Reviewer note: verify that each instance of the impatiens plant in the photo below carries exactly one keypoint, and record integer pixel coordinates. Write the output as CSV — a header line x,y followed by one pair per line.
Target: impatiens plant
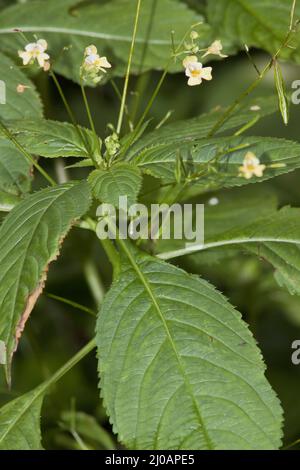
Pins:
x,y
178,366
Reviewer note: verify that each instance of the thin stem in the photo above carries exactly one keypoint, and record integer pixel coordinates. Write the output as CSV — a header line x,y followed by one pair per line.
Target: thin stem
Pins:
x,y
143,79
108,247
69,111
293,15
112,255
154,95
292,444
68,366
26,154
94,282
145,113
91,121
125,90
118,93
71,303
224,118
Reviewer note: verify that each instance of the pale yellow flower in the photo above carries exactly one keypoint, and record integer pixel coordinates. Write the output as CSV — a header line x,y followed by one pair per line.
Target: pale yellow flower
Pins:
x,y
195,71
35,51
93,64
215,49
251,166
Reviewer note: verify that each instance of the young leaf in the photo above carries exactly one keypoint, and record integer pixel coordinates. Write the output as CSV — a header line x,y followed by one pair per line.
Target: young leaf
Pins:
x,y
53,139
119,180
74,25
30,238
179,369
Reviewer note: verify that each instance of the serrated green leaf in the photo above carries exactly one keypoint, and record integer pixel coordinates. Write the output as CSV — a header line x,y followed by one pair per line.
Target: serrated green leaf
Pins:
x,y
256,227
53,139
179,369
198,128
260,24
20,422
15,171
18,105
108,26
160,160
119,180
30,238
20,418
15,178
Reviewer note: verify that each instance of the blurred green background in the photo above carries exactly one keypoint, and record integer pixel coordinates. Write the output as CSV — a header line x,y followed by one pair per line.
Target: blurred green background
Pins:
x,y
56,331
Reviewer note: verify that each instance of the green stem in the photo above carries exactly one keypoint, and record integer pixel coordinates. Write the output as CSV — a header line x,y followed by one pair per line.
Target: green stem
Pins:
x,y
145,113
26,154
291,445
154,95
68,366
224,118
293,15
112,255
125,90
69,111
94,282
71,303
91,121
108,247
119,95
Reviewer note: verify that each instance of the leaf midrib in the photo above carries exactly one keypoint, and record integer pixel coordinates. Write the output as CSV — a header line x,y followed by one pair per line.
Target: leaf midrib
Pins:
x,y
169,336
91,34
234,241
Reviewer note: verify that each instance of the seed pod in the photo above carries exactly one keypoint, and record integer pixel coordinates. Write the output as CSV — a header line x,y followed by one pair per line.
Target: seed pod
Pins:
x,y
281,92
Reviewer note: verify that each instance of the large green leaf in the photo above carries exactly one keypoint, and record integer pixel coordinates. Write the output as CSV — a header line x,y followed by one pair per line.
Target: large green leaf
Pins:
x,y
108,26
179,369
117,181
160,160
197,128
18,105
30,238
52,139
261,24
251,223
20,422
15,170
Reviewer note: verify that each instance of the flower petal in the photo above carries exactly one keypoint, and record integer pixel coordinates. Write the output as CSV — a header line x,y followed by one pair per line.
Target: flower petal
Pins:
x,y
193,81
206,73
25,56
192,59
104,63
91,50
43,44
